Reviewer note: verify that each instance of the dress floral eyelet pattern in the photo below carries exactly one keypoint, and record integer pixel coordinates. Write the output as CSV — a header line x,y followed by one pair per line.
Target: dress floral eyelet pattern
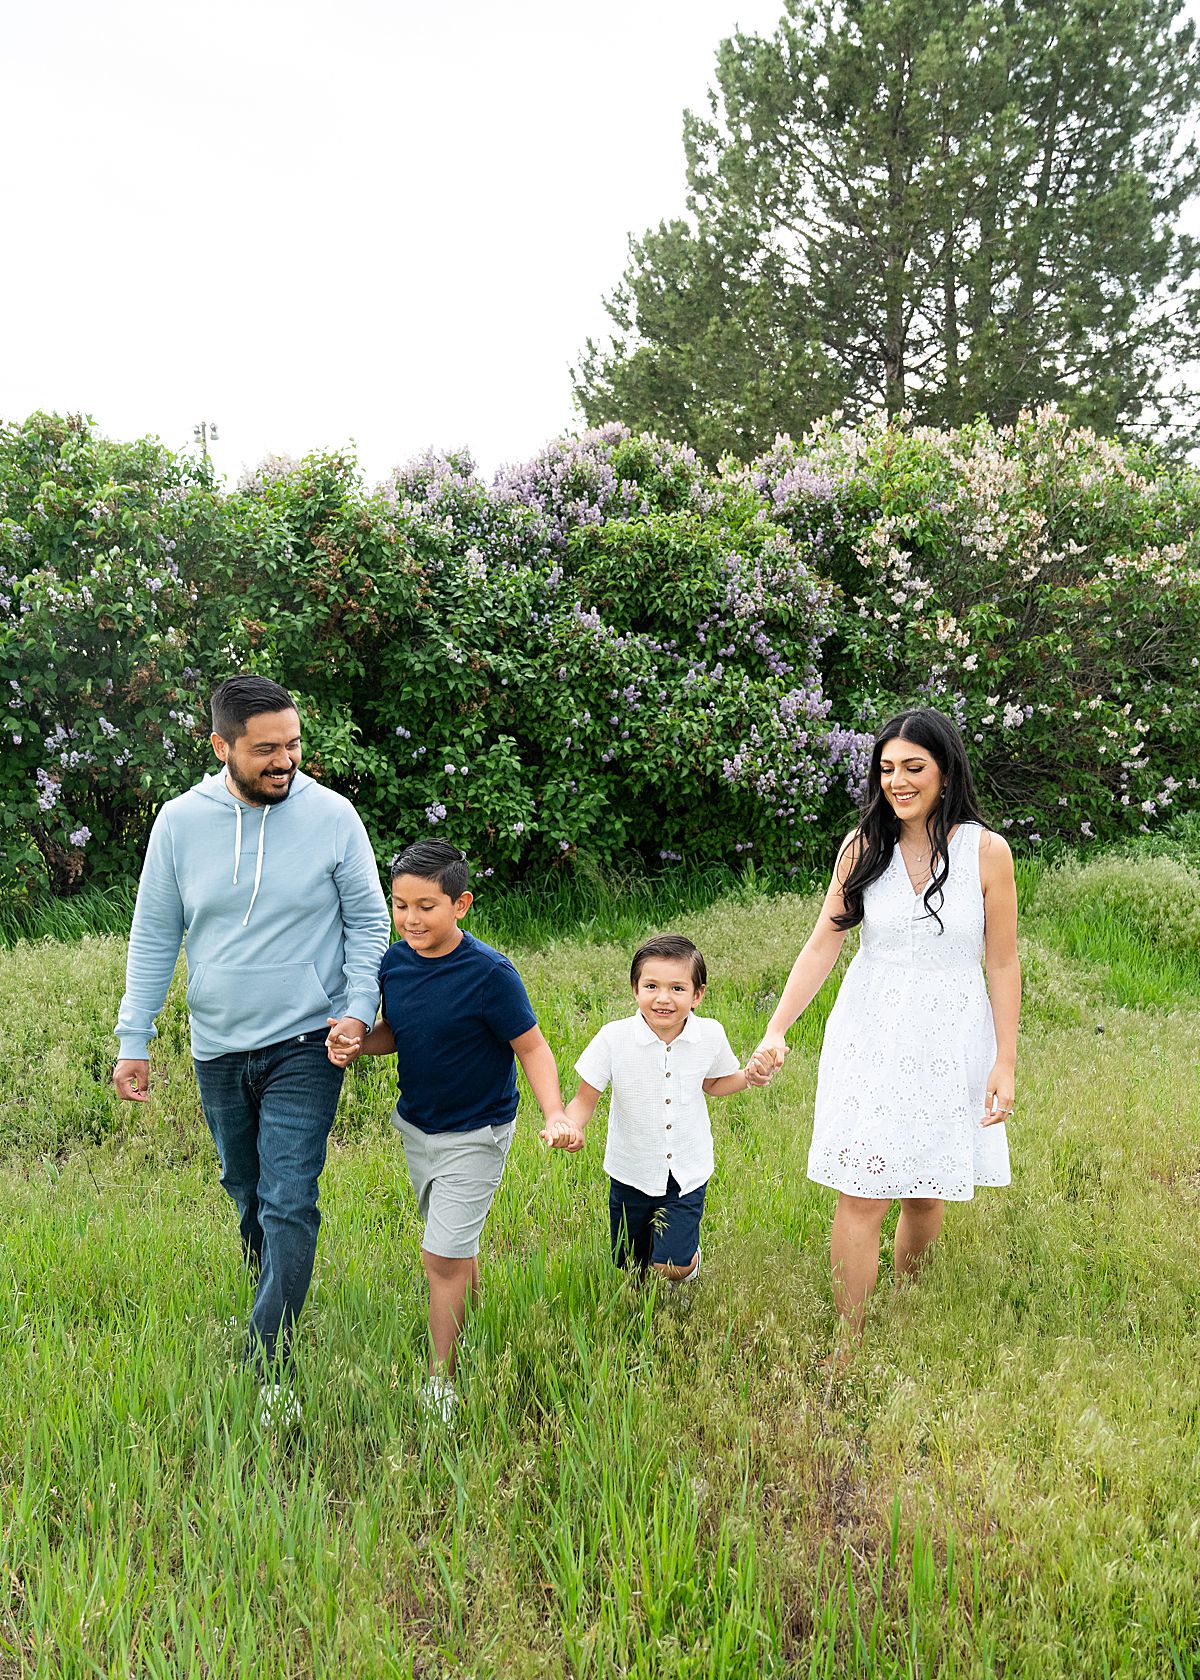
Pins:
x,y
909,1045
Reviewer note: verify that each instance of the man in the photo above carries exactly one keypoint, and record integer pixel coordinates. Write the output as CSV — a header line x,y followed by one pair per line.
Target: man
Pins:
x,y
270,879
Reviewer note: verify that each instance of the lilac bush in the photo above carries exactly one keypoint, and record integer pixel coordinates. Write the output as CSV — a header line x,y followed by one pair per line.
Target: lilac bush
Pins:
x,y
613,652
101,686
1038,583
627,655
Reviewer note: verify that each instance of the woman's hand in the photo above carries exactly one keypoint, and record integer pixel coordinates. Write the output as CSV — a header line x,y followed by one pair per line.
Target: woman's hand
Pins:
x,y
760,1069
999,1097
774,1045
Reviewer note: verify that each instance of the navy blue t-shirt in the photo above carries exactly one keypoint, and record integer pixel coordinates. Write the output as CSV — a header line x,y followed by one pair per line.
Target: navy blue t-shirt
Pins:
x,y
453,1018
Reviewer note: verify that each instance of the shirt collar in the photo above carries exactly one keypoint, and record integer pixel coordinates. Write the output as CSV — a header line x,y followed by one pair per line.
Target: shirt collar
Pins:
x,y
645,1035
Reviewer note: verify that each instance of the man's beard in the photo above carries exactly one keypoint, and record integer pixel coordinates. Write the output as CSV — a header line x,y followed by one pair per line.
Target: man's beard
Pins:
x,y
262,794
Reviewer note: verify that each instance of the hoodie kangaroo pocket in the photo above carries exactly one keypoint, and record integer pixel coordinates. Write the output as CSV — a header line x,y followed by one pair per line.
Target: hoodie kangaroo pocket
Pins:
x,y
255,1006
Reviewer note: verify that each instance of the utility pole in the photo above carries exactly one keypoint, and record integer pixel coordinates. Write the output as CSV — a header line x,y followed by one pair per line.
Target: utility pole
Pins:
x,y
204,434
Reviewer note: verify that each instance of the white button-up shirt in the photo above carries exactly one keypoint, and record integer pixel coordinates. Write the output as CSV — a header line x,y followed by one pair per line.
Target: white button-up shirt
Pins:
x,y
658,1119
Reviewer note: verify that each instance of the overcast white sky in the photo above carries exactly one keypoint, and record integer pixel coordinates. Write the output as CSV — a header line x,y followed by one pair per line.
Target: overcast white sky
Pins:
x,y
316,223
392,223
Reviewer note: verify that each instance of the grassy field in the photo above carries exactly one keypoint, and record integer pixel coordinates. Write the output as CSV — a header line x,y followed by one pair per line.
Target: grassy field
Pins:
x,y
1007,1483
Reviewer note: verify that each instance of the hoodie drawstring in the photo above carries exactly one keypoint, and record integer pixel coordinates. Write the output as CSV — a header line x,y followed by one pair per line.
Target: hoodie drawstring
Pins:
x,y
237,853
262,832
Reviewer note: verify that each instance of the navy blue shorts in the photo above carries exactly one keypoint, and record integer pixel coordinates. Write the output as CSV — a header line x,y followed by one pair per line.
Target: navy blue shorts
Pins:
x,y
658,1230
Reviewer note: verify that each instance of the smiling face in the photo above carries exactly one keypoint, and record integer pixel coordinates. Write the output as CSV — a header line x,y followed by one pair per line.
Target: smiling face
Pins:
x,y
426,917
262,763
666,994
911,780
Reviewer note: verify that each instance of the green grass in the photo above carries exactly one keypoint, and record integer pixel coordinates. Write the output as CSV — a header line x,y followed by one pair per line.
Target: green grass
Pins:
x,y
643,1484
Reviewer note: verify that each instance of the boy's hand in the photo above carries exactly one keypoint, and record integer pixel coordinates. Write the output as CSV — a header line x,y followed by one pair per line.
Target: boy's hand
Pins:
x,y
343,1047
561,1133
760,1069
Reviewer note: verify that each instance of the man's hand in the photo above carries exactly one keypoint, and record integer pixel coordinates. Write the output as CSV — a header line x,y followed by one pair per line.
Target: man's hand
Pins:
x,y
131,1080
344,1041
559,1132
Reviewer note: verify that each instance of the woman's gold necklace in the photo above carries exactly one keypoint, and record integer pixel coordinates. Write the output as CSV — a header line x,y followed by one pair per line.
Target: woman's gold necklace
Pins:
x,y
921,862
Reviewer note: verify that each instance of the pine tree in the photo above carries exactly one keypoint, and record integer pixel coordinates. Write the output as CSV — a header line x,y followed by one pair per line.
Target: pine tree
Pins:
x,y
948,207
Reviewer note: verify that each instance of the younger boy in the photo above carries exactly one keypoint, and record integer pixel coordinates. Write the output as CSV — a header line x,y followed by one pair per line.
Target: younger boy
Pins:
x,y
455,1012
661,1062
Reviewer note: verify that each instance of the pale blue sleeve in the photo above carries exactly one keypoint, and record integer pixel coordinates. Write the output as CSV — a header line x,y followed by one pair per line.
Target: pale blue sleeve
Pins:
x,y
366,923
154,941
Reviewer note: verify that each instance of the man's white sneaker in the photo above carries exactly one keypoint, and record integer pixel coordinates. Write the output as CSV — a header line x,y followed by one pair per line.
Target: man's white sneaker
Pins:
x,y
439,1398
677,1283
278,1407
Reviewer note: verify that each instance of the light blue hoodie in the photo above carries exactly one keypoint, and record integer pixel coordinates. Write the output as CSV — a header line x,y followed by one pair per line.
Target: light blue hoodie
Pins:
x,y
281,910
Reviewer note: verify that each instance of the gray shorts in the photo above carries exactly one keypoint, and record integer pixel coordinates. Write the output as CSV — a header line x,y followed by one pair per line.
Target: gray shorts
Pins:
x,y
455,1176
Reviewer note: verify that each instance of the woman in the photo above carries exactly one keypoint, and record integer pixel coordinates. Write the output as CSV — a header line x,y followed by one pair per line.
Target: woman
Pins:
x,y
917,1067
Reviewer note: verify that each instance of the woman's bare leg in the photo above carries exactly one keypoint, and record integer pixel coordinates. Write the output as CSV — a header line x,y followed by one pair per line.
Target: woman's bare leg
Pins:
x,y
919,1227
854,1255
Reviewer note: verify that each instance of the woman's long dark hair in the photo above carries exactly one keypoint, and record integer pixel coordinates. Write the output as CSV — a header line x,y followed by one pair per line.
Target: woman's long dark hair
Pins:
x,y
879,827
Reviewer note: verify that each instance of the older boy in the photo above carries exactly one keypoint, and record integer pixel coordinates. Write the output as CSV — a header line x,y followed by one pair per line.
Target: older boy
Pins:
x,y
455,1014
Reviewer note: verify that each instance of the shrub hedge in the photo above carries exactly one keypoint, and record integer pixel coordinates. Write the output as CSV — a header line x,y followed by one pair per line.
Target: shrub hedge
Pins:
x,y
613,653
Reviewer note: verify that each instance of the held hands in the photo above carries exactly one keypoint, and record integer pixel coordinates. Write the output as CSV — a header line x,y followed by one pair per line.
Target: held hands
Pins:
x,y
560,1132
760,1069
344,1046
999,1099
771,1053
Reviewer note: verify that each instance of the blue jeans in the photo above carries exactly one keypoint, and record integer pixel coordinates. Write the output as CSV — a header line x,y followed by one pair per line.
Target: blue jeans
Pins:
x,y
269,1112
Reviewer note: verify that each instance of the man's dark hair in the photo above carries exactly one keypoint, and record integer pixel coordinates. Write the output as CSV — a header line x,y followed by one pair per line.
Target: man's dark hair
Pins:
x,y
674,948
242,697
437,861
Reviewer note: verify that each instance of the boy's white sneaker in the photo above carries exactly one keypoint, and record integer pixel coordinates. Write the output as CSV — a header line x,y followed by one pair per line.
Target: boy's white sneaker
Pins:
x,y
678,1283
439,1397
278,1407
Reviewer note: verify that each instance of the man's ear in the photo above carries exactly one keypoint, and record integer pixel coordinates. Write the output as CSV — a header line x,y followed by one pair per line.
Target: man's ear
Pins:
x,y
219,745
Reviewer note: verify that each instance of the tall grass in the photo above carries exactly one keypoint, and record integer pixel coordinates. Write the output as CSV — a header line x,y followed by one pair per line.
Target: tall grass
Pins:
x,y
96,910
639,1482
582,901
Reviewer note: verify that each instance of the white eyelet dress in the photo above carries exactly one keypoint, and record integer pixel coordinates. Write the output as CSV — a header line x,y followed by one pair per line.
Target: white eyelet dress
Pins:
x,y
909,1045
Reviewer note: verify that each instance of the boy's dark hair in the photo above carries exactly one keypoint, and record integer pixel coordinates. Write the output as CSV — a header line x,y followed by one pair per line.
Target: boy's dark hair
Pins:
x,y
242,697
437,861
675,948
